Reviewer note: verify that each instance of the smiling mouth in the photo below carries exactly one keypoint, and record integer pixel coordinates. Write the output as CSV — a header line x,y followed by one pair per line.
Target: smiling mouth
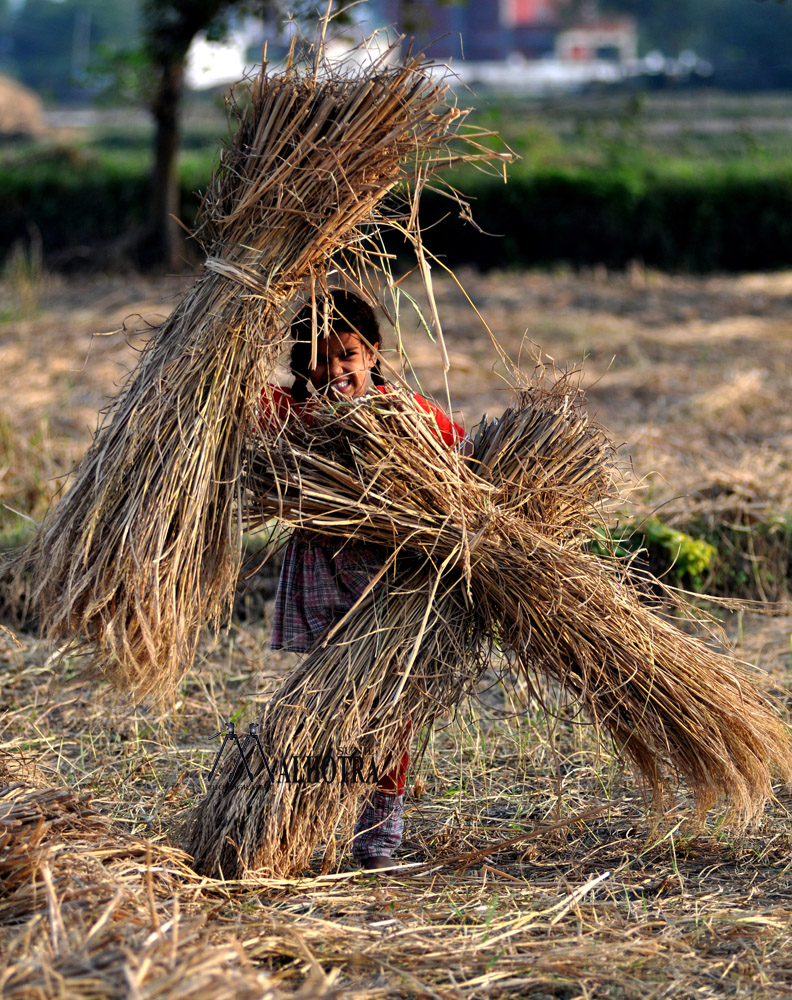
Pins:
x,y
341,386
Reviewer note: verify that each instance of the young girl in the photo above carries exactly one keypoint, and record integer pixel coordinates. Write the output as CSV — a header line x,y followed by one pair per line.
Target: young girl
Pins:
x,y
322,578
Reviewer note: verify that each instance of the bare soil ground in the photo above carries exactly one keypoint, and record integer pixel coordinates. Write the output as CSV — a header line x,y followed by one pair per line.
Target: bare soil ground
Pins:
x,y
596,898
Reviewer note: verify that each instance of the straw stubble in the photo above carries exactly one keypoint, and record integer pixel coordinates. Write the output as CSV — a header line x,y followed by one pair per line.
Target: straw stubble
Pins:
x,y
494,553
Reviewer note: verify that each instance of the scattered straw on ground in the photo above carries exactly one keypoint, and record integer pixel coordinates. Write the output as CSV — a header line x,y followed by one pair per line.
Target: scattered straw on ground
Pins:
x,y
537,876
685,912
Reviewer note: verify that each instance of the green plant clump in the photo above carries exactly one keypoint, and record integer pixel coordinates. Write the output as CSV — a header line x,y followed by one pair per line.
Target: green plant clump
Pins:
x,y
688,560
79,199
733,218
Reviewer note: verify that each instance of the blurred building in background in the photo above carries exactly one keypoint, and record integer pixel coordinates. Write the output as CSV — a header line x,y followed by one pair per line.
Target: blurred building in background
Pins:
x,y
610,40
478,32
76,51
518,45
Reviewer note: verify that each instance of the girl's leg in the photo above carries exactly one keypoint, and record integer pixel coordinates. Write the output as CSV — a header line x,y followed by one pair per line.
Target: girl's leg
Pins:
x,y
379,829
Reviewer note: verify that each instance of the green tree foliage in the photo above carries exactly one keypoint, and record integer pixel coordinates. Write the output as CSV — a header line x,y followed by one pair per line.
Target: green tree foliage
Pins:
x,y
748,41
50,44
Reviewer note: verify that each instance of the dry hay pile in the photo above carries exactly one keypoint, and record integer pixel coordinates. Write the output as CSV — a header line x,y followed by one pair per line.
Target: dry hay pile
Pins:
x,y
21,111
491,554
88,911
144,548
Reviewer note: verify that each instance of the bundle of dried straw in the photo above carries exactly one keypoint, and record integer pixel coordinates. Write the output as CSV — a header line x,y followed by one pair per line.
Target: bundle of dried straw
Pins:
x,y
491,549
143,549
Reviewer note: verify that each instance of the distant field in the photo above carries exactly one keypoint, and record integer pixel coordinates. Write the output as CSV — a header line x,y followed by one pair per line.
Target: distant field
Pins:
x,y
545,876
699,125
691,181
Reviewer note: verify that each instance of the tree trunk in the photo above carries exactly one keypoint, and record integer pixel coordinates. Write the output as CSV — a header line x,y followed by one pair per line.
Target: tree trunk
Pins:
x,y
163,245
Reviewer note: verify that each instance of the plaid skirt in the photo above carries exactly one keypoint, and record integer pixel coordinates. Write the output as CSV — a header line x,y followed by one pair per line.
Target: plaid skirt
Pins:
x,y
320,580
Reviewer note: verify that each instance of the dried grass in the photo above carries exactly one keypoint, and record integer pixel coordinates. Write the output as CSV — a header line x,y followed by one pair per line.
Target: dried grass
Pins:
x,y
21,110
501,561
89,902
144,548
596,905
683,913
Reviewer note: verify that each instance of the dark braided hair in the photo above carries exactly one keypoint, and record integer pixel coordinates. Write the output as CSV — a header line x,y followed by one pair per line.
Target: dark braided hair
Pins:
x,y
348,313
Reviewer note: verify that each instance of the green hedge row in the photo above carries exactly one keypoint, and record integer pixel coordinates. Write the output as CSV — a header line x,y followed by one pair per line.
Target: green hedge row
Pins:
x,y
77,204
713,220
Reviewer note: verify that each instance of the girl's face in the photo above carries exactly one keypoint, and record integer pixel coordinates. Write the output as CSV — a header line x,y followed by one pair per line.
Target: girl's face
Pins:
x,y
342,366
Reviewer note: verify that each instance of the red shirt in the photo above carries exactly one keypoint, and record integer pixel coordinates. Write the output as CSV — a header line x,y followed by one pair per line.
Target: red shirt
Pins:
x,y
280,398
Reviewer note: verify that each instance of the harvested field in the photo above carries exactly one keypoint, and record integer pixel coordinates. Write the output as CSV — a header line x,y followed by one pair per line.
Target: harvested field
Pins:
x,y
538,871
